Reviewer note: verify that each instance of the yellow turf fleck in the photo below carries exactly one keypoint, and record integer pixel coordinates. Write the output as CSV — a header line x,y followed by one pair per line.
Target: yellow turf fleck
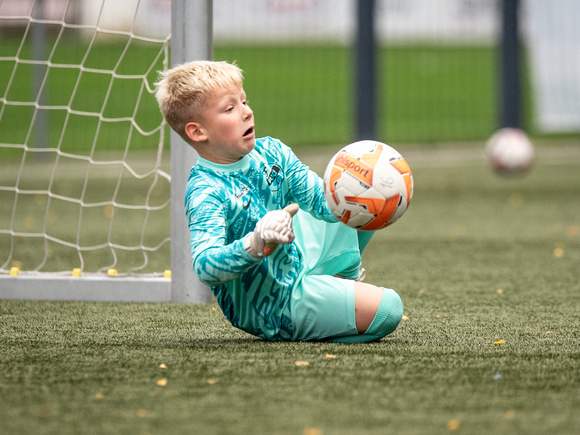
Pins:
x,y
499,342
29,222
329,355
52,217
301,363
499,291
142,413
312,431
108,211
162,366
99,395
40,199
517,199
162,382
405,318
453,424
212,381
558,252
510,414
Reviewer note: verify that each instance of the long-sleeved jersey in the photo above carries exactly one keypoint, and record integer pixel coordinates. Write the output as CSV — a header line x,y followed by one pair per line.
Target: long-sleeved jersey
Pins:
x,y
223,204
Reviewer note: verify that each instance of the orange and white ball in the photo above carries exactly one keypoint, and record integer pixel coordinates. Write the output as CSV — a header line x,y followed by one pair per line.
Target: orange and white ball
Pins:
x,y
368,185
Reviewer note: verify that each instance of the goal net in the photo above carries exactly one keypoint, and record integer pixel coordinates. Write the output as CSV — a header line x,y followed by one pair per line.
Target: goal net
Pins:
x,y
84,152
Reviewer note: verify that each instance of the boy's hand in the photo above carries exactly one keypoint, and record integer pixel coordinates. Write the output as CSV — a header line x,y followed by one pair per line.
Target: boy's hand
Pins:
x,y
274,229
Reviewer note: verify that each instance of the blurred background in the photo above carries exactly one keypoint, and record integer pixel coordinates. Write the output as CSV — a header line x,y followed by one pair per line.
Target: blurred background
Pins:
x,y
437,70
77,95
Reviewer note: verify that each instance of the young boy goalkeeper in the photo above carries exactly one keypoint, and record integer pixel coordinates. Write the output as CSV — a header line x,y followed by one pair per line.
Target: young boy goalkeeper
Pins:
x,y
277,272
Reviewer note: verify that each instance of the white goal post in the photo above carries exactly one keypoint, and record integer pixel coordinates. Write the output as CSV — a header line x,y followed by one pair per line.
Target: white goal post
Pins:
x,y
51,199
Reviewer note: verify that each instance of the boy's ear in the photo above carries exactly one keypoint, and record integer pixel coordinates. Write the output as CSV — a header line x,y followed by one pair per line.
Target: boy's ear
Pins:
x,y
195,132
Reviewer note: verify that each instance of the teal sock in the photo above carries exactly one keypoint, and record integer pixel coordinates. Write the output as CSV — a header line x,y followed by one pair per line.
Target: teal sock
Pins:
x,y
389,314
364,237
387,318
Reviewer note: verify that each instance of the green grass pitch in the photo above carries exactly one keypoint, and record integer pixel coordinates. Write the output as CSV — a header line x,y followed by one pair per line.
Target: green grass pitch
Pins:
x,y
487,268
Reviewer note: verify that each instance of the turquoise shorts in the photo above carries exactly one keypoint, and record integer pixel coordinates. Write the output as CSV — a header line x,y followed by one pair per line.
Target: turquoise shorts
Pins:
x,y
322,308
322,305
326,248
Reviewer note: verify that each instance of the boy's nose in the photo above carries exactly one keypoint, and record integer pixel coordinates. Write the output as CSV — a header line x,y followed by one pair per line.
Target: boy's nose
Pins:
x,y
248,112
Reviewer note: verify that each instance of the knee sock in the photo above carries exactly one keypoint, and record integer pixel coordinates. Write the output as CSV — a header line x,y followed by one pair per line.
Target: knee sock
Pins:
x,y
364,237
387,318
389,314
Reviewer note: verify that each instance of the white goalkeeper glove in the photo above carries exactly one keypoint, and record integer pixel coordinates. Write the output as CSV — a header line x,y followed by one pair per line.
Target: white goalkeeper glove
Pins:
x,y
274,229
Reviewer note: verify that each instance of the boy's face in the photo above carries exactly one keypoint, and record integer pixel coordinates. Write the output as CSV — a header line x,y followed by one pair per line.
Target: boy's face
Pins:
x,y
227,127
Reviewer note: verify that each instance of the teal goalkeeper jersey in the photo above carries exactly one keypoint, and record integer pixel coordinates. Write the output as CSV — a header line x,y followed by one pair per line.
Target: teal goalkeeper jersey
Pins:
x,y
223,204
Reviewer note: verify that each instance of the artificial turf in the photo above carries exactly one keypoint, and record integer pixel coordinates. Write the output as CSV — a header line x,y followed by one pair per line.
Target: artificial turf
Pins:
x,y
488,270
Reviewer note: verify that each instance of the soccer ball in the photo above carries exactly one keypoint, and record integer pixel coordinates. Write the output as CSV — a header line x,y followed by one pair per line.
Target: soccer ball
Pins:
x,y
368,185
509,151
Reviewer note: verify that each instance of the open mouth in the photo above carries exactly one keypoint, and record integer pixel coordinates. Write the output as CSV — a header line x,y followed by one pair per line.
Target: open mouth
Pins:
x,y
249,132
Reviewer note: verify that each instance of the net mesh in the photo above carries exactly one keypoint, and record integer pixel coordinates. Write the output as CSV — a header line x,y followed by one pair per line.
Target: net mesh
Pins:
x,y
84,178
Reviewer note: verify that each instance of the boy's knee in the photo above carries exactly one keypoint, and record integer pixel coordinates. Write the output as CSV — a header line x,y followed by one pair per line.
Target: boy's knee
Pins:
x,y
387,318
389,315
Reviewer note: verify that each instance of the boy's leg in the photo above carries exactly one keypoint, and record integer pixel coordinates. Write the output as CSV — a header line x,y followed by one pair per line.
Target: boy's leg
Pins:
x,y
381,321
326,248
367,299
335,309
364,237
355,271
323,306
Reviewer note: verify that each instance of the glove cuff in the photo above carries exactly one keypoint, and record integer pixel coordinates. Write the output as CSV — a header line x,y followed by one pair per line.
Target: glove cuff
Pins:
x,y
250,249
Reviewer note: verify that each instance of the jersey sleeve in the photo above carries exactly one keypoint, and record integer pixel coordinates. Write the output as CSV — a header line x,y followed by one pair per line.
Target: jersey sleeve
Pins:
x,y
214,260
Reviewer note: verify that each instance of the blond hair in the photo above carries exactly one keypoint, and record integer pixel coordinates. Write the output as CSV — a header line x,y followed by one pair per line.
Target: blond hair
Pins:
x,y
182,91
